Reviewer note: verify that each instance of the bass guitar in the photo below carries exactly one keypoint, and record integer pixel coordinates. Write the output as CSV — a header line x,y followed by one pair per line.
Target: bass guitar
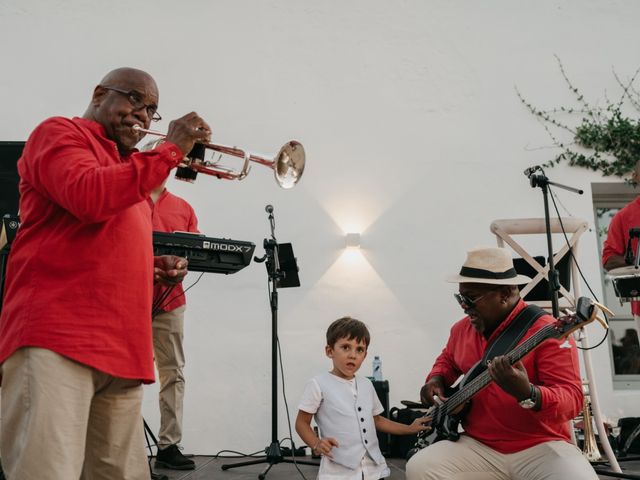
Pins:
x,y
446,417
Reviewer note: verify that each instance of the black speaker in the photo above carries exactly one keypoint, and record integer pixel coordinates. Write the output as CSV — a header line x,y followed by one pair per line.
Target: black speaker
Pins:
x,y
382,389
9,154
400,445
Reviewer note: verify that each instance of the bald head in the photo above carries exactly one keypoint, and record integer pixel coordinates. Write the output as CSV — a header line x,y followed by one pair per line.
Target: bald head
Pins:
x,y
125,97
124,74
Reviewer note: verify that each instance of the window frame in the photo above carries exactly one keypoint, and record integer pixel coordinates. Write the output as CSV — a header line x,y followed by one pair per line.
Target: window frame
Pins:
x,y
614,195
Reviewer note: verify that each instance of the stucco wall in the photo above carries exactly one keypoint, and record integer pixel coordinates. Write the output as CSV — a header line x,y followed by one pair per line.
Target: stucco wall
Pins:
x,y
414,136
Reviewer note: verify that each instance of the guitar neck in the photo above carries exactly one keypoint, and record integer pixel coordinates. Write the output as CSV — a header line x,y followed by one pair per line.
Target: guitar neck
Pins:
x,y
483,379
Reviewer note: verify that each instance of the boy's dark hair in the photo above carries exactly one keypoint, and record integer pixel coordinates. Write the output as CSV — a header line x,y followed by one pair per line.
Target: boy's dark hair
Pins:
x,y
349,328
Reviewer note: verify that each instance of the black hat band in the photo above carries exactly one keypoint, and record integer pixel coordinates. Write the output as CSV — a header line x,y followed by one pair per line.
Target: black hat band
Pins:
x,y
481,273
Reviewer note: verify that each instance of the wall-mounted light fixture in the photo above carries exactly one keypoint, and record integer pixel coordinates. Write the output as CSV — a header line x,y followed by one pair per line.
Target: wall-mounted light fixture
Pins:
x,y
353,240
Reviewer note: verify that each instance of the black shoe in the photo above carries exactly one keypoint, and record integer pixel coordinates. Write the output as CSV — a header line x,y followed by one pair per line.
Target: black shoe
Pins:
x,y
171,457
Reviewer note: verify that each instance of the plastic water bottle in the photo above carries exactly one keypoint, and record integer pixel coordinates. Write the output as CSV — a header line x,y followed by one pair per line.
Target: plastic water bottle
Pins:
x,y
377,369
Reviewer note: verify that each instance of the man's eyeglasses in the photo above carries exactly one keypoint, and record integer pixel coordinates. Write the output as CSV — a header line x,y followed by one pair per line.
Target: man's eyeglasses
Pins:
x,y
466,302
135,99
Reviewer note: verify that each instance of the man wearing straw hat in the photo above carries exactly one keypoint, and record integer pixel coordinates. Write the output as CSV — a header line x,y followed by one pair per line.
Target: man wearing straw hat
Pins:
x,y
518,426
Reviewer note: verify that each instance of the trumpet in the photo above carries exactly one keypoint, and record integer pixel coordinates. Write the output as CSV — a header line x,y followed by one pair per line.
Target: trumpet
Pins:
x,y
590,445
287,164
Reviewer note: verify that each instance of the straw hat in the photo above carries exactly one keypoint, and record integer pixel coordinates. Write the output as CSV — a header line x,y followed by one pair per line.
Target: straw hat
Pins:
x,y
491,265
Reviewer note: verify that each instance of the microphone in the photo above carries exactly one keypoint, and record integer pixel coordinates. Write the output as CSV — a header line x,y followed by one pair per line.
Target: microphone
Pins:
x,y
629,258
529,171
268,209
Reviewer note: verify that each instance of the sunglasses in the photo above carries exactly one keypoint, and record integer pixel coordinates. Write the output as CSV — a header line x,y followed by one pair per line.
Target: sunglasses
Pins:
x,y
466,302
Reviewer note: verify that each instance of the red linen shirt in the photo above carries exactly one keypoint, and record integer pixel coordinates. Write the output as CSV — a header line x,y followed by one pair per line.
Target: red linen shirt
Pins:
x,y
495,418
171,213
618,237
80,272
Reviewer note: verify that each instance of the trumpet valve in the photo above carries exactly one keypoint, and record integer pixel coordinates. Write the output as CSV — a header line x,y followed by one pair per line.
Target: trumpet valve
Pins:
x,y
186,174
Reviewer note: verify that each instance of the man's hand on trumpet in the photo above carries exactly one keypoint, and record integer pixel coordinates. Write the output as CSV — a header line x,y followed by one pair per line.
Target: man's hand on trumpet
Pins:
x,y
188,130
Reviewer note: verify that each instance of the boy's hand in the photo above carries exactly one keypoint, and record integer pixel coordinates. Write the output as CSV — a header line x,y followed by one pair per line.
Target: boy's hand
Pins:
x,y
420,424
325,445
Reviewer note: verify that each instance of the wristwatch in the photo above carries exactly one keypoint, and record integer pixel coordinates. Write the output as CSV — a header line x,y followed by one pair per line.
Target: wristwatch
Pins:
x,y
532,400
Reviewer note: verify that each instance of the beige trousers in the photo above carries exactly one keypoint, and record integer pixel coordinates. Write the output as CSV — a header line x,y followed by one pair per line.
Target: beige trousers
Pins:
x,y
62,420
168,329
468,459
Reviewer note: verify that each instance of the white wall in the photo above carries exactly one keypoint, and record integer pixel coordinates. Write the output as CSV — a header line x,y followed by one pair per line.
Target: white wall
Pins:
x,y
414,136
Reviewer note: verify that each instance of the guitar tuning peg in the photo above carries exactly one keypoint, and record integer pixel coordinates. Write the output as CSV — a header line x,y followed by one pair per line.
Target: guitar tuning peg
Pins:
x,y
602,322
603,308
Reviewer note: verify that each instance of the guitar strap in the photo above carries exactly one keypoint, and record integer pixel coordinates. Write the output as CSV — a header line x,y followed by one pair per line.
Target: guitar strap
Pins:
x,y
507,340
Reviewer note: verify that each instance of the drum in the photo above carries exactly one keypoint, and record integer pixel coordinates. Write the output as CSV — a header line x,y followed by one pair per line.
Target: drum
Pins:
x,y
626,283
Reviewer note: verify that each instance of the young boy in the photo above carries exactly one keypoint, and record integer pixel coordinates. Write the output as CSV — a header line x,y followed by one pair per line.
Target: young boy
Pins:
x,y
347,410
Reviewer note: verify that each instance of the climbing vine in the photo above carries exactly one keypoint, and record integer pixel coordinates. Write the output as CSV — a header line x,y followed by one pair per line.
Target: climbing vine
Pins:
x,y
605,139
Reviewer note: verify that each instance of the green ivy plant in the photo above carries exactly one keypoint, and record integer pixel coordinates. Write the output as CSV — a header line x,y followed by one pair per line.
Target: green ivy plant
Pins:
x,y
605,139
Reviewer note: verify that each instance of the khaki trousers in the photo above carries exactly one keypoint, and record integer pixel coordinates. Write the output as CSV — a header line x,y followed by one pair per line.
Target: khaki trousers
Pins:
x,y
468,459
168,333
62,420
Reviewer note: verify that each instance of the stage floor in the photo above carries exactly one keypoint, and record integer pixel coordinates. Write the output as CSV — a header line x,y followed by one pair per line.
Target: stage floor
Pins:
x,y
208,468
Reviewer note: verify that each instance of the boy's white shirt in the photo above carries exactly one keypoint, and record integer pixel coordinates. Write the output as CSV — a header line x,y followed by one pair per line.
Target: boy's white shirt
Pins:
x,y
311,402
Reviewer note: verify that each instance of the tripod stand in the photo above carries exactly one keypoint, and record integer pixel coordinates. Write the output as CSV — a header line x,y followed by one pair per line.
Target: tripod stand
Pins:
x,y
149,433
278,277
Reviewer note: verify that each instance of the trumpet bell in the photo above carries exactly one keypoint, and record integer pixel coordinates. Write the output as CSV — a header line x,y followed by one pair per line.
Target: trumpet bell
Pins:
x,y
289,164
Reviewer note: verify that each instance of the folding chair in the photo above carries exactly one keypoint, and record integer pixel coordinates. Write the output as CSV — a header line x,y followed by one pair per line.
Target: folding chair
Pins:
x,y
574,228
505,230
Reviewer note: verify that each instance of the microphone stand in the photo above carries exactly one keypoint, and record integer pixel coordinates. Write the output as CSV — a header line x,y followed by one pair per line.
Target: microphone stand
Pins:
x,y
273,451
541,180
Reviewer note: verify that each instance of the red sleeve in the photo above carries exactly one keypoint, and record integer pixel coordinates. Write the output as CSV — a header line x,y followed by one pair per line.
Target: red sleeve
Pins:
x,y
75,171
193,221
557,374
615,242
445,365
